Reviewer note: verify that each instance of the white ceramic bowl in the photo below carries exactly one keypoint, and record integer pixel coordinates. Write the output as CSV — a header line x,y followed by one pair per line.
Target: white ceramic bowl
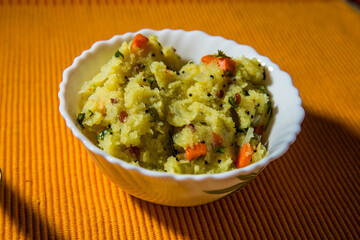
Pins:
x,y
172,189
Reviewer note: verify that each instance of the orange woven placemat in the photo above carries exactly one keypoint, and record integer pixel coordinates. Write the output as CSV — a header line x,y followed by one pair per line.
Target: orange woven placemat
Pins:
x,y
51,188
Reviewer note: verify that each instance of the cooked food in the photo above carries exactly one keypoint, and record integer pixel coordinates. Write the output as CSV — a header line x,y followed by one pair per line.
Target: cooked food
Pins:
x,y
149,107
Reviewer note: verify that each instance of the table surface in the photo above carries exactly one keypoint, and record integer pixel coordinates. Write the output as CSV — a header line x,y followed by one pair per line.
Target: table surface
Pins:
x,y
50,187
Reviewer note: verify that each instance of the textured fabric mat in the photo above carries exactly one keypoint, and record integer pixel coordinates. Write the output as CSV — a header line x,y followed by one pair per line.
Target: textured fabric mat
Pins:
x,y
50,187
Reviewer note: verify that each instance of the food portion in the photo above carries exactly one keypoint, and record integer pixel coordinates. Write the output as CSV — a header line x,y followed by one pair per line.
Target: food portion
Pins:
x,y
150,108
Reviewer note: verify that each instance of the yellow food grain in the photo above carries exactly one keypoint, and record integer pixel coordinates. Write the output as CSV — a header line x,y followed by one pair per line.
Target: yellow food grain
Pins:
x,y
148,106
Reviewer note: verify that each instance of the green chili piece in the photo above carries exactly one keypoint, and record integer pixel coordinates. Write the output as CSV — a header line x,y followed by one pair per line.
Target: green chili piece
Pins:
x,y
101,136
221,149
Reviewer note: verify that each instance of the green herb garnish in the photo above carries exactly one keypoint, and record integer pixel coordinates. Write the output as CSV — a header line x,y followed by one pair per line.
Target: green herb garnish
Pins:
x,y
232,102
222,54
154,113
118,54
228,73
268,107
221,149
171,141
101,136
80,119
151,81
269,119
261,88
203,123
91,113
196,161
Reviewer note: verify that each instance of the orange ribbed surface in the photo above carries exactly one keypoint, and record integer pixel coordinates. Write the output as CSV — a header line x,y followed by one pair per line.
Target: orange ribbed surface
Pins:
x,y
52,190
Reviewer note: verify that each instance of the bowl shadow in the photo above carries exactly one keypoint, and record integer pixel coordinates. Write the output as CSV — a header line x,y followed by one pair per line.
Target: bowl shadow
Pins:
x,y
331,138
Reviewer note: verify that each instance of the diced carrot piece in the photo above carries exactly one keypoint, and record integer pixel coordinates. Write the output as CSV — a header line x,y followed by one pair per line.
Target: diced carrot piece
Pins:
x,y
207,59
139,42
195,151
218,140
244,156
226,64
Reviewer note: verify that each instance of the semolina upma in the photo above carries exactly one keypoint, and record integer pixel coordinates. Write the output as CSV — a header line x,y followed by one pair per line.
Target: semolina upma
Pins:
x,y
148,107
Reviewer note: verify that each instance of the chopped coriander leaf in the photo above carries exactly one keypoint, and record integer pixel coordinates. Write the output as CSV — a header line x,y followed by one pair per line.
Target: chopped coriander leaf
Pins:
x,y
101,136
118,54
221,149
203,123
269,119
268,106
80,119
154,113
196,161
232,102
222,54
261,88
171,142
151,81
228,73
91,113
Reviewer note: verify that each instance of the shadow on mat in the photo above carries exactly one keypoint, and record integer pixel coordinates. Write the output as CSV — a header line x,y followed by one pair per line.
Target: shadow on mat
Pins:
x,y
329,140
23,216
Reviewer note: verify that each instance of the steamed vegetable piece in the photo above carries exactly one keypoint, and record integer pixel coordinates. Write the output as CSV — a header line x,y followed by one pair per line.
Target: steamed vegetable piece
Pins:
x,y
150,108
139,42
244,157
193,152
225,63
